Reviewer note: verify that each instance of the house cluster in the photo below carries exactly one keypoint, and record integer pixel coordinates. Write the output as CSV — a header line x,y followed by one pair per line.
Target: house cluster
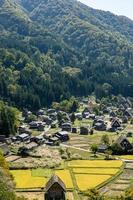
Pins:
x,y
45,119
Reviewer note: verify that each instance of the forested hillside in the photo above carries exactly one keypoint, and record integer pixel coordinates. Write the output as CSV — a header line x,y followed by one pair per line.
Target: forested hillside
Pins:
x,y
53,49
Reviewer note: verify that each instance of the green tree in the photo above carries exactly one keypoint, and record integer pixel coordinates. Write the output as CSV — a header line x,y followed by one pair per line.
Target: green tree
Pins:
x,y
105,139
8,120
73,118
94,149
74,105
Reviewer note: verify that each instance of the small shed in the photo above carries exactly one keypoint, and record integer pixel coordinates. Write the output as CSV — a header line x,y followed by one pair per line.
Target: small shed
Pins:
x,y
66,127
84,130
55,189
102,148
62,135
74,130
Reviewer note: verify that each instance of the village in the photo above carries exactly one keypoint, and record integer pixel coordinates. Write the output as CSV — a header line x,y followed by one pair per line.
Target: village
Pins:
x,y
50,139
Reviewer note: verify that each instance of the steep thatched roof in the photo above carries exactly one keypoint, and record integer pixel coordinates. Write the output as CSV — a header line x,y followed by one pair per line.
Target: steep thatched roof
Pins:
x,y
55,179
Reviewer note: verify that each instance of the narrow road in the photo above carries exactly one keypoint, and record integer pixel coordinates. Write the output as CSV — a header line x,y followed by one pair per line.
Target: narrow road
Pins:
x,y
73,147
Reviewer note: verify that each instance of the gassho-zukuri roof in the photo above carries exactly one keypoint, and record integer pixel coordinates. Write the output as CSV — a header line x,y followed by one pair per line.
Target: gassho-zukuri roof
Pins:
x,y
55,179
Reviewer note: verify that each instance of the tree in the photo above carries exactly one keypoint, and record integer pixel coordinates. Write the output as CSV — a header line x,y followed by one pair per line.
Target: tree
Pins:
x,y
8,119
73,118
5,192
74,106
108,153
94,149
105,139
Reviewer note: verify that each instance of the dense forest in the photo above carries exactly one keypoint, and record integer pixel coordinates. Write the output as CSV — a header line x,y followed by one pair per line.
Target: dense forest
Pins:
x,y
51,50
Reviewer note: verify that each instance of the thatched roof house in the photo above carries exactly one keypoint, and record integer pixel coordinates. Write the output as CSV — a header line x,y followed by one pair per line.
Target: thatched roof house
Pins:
x,y
55,189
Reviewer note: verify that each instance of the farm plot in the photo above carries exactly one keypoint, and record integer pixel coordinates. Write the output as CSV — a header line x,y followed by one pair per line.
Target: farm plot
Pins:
x,y
90,174
88,181
24,179
104,171
66,177
37,178
127,157
95,164
77,174
121,183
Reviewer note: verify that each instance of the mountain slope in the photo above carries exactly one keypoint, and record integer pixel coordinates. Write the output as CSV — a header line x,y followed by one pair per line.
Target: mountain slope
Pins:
x,y
52,49
30,60
43,10
104,40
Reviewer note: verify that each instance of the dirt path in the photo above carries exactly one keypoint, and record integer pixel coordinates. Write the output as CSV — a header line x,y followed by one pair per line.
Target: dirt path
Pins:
x,y
73,147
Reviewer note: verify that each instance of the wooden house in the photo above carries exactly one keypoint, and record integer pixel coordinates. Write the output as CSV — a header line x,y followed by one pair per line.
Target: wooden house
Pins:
x,y
74,130
115,123
102,148
100,126
124,143
23,137
55,189
62,135
84,130
66,127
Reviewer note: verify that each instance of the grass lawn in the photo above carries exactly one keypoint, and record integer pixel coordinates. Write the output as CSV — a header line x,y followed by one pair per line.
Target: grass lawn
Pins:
x,y
83,122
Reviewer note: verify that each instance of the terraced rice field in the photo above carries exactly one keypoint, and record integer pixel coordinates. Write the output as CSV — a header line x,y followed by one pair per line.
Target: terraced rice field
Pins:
x,y
91,173
104,171
127,157
77,174
121,183
85,141
95,163
66,177
37,178
88,181
24,179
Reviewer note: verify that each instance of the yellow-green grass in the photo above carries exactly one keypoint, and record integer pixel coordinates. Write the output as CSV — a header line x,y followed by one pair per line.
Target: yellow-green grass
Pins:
x,y
40,172
127,157
87,181
24,179
37,178
95,163
99,171
65,177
